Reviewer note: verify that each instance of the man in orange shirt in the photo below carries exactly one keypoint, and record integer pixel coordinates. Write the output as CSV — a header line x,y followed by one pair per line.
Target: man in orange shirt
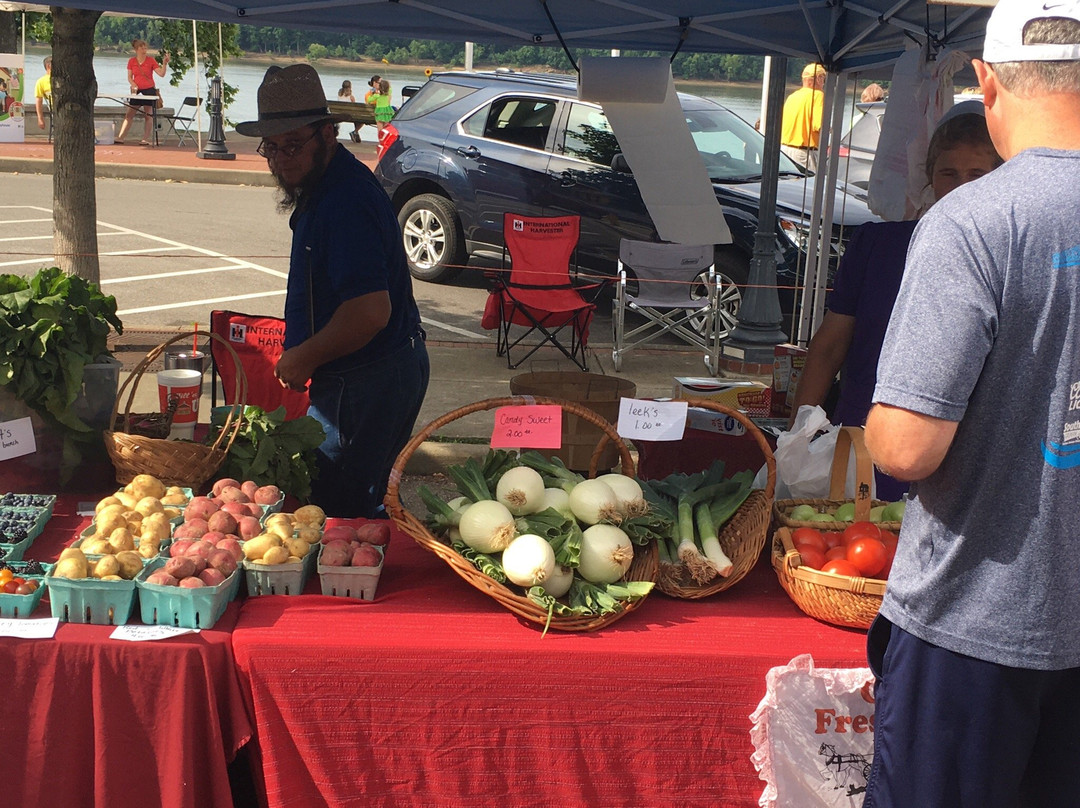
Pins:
x,y
802,118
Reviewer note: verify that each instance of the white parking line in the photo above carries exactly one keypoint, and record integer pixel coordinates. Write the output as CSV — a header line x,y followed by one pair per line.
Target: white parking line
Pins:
x,y
207,302
176,274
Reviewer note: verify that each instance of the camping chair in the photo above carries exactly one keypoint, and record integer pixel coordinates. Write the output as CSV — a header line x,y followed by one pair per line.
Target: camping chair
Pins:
x,y
538,294
258,343
676,293
180,124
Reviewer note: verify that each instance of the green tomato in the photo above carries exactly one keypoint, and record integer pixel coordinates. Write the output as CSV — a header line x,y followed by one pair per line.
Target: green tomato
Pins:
x,y
894,511
822,517
802,513
845,513
876,513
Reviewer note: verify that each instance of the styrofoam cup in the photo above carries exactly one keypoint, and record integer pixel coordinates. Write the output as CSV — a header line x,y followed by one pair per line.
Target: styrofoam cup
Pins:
x,y
186,387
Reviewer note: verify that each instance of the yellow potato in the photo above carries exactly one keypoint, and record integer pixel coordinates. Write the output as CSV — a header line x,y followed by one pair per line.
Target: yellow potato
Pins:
x,y
99,547
297,547
106,565
129,500
108,521
310,514
283,518
309,533
148,549
70,567
281,529
72,552
130,564
146,485
149,505
293,560
155,526
275,555
122,539
256,548
174,499
172,513
105,503
111,578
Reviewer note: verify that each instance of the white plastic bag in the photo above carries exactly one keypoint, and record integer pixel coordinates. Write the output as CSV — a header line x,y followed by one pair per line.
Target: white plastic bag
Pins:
x,y
813,735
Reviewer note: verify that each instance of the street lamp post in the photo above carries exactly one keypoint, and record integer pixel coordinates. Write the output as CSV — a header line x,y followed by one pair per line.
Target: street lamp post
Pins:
x,y
215,148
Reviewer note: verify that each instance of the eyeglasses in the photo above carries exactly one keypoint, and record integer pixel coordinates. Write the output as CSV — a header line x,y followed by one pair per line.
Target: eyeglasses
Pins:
x,y
272,150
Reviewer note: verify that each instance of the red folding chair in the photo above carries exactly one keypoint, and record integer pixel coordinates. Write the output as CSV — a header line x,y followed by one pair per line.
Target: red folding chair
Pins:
x,y
258,342
539,294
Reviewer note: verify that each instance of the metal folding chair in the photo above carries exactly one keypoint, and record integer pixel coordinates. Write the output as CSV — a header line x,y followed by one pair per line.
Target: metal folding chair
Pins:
x,y
180,124
674,288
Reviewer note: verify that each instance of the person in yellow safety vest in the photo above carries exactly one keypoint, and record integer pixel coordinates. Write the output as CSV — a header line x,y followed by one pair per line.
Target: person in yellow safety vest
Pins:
x,y
802,118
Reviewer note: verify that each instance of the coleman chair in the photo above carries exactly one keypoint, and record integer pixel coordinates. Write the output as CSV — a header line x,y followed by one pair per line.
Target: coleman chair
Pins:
x,y
258,342
180,124
539,295
674,288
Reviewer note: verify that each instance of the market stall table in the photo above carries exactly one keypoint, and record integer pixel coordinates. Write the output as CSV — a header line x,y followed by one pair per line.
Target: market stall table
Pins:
x,y
433,694
101,722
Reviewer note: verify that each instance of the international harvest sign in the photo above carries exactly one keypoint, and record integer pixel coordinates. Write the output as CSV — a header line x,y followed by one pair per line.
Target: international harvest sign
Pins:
x,y
12,90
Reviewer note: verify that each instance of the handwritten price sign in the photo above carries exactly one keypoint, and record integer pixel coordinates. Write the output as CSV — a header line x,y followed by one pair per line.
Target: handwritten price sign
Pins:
x,y
16,438
651,420
532,426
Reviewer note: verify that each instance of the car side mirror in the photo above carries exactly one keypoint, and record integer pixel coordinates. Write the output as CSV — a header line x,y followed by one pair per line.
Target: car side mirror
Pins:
x,y
618,163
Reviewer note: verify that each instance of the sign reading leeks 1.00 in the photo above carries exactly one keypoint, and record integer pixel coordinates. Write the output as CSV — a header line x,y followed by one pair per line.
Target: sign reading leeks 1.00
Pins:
x,y
530,426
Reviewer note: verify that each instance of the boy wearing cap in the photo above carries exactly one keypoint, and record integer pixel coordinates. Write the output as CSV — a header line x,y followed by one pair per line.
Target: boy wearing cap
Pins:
x,y
352,328
801,123
977,646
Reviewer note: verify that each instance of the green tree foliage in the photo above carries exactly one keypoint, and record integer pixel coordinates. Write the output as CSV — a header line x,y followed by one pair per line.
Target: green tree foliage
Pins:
x,y
177,40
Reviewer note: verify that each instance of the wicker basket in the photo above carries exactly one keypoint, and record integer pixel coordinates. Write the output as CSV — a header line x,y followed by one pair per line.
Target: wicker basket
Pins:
x,y
837,599
847,437
643,568
174,462
744,535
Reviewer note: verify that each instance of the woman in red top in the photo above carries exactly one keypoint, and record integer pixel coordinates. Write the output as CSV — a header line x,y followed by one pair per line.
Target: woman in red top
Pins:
x,y
141,69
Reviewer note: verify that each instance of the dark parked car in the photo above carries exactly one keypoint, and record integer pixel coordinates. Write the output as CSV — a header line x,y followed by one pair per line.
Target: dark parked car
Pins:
x,y
468,147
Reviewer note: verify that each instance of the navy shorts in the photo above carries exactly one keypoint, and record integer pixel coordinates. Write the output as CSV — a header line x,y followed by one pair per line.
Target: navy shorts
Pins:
x,y
951,731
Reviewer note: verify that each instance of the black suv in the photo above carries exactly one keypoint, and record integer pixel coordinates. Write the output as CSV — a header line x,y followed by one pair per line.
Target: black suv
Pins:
x,y
468,147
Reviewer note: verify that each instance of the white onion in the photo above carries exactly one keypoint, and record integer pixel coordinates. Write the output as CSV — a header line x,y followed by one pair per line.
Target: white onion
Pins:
x,y
528,560
487,526
558,583
521,489
631,498
458,506
559,500
606,554
593,501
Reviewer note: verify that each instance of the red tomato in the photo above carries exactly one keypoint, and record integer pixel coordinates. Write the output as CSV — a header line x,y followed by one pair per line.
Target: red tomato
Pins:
x,y
833,538
25,589
834,553
869,555
812,557
807,537
883,574
858,530
889,539
841,567
9,587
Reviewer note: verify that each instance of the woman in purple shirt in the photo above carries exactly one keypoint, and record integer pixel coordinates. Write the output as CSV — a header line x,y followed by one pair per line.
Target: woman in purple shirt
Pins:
x,y
848,341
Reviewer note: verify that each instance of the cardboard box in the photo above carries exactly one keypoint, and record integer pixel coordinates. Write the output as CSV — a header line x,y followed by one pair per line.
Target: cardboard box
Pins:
x,y
753,398
788,362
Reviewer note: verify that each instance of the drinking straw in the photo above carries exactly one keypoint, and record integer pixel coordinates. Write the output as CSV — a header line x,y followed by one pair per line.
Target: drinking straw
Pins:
x,y
195,347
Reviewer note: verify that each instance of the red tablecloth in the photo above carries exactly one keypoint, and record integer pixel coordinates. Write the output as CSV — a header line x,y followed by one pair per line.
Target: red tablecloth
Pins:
x,y
435,695
93,721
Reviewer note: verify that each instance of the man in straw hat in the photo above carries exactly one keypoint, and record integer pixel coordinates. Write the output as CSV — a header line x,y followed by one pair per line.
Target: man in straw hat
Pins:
x,y
977,646
352,328
801,123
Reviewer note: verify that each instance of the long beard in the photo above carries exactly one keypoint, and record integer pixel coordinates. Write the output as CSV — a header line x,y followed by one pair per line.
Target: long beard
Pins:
x,y
289,196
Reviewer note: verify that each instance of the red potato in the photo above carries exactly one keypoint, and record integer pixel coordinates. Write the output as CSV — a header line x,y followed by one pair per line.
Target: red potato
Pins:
x,y
223,522
222,561
343,532
180,547
161,578
200,562
233,494
366,555
249,527
180,568
237,509
249,487
223,483
267,494
194,582
377,532
200,508
344,545
199,548
192,529
213,536
233,546
212,577
335,555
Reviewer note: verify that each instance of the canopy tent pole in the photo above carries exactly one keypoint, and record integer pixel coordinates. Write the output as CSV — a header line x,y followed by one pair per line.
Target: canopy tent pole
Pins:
x,y
198,85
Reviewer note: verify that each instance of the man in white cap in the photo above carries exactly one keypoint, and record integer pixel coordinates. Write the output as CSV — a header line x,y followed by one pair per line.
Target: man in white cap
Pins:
x,y
801,122
352,328
977,645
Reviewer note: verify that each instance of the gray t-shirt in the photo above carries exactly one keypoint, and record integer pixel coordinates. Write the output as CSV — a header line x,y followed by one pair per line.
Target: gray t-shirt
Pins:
x,y
986,331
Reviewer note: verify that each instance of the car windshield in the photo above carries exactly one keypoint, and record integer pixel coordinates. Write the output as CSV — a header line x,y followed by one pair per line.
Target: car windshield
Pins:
x,y
730,147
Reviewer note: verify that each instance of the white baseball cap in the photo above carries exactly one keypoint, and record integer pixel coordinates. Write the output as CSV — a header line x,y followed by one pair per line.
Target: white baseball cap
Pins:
x,y
1004,40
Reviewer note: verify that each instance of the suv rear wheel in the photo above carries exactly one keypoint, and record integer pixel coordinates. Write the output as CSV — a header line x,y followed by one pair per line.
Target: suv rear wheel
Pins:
x,y
434,243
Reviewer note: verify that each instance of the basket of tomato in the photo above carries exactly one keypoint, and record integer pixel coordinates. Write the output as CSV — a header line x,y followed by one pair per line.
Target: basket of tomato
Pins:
x,y
835,576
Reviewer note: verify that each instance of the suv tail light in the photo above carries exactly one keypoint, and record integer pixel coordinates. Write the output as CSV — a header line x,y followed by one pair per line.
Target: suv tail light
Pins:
x,y
386,139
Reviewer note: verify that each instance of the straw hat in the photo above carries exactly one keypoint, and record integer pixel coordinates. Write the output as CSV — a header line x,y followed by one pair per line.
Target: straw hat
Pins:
x,y
289,97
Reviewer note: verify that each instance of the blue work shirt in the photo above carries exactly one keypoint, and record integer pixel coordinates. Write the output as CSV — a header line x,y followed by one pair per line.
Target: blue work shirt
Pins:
x,y
345,234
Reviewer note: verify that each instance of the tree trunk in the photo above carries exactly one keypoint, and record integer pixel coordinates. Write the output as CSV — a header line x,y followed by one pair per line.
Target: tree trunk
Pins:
x,y
9,32
74,88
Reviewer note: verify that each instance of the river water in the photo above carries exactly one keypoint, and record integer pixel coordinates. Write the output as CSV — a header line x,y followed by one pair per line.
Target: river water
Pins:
x,y
111,71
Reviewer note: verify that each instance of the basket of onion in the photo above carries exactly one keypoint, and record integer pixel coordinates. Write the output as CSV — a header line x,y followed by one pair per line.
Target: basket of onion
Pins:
x,y
555,548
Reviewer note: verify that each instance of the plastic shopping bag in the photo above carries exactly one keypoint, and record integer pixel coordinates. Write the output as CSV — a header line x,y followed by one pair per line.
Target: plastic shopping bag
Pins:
x,y
813,735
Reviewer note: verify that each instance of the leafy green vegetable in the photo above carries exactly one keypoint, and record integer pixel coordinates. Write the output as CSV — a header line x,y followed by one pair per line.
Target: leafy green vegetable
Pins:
x,y
273,451
51,326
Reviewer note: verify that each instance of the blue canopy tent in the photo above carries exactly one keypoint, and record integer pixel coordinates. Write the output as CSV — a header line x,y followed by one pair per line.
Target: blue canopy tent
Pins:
x,y
846,36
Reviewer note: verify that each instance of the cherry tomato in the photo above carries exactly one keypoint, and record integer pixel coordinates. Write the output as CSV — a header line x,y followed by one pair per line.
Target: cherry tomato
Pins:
x,y
812,557
833,538
883,574
889,539
858,530
869,555
9,587
838,552
808,537
24,589
6,575
841,567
